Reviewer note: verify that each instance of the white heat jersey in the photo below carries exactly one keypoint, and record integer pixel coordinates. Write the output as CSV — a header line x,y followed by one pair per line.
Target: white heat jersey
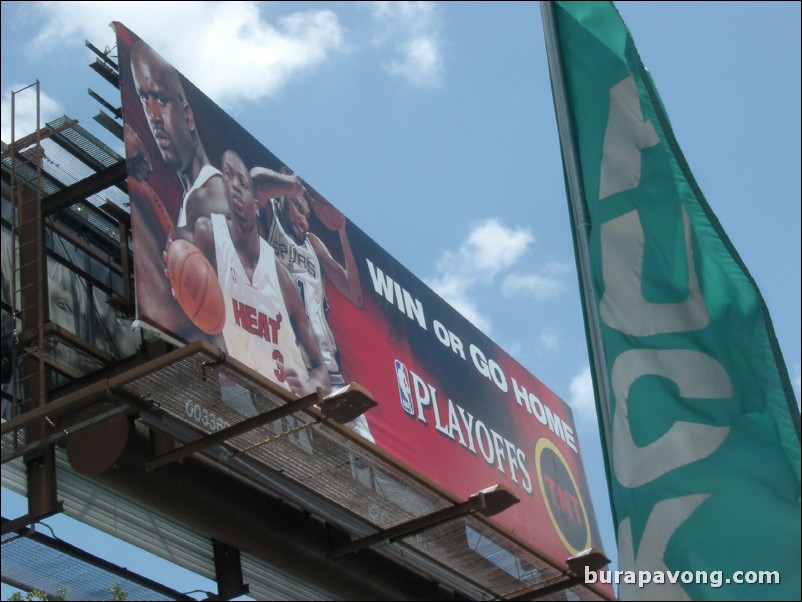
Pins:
x,y
257,331
207,172
304,265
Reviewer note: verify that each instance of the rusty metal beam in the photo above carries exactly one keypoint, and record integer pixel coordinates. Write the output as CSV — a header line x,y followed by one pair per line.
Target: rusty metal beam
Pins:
x,y
26,519
110,124
592,558
117,111
486,502
42,134
103,55
564,582
106,72
221,436
101,388
84,188
222,504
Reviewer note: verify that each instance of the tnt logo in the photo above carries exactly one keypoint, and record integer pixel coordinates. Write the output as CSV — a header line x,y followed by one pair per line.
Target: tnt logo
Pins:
x,y
404,390
561,496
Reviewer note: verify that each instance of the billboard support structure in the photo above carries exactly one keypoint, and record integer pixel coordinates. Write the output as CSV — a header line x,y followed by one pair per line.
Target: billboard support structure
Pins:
x,y
487,503
342,405
591,559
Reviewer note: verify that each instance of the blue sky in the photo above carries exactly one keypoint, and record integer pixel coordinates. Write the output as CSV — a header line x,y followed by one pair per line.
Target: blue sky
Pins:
x,y
431,125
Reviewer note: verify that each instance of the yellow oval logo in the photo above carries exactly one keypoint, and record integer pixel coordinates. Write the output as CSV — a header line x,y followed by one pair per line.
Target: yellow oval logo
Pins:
x,y
561,496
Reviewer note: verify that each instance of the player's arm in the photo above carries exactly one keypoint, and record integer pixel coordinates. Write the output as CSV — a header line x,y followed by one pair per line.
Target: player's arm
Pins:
x,y
345,279
204,240
202,236
269,184
201,203
207,199
150,219
318,374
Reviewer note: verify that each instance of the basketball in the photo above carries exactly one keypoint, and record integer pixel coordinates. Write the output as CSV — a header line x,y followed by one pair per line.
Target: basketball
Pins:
x,y
143,196
327,213
196,287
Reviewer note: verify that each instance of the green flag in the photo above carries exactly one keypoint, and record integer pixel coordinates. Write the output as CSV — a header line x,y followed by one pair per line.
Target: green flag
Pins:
x,y
699,419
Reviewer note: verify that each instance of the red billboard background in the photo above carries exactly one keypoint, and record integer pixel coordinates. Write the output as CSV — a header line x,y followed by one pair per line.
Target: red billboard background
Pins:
x,y
452,405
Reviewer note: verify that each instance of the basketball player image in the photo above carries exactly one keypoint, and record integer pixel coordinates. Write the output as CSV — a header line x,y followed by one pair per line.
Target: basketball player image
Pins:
x,y
265,315
285,223
173,127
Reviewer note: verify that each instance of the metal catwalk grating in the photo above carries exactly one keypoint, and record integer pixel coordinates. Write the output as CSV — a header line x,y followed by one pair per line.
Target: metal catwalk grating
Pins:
x,y
26,174
578,592
68,157
80,141
14,443
321,459
474,549
34,558
328,464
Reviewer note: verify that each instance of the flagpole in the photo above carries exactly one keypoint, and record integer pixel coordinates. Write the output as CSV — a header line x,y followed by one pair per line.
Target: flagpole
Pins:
x,y
581,225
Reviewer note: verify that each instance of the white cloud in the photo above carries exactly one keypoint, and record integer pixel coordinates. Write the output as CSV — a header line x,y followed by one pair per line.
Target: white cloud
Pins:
x,y
582,400
25,111
456,289
541,285
410,33
492,247
488,253
489,249
420,62
227,49
549,339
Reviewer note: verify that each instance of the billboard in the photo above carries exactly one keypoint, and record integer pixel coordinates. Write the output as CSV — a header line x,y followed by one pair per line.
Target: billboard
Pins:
x,y
231,245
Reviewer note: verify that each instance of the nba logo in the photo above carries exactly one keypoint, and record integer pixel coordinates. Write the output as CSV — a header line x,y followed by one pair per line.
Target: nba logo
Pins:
x,y
404,390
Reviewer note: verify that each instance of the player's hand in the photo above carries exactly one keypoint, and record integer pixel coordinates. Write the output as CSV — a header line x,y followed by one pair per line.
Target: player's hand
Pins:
x,y
164,259
296,384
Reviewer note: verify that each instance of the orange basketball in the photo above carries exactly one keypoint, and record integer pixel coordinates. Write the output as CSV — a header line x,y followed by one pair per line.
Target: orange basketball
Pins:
x,y
141,192
196,287
327,213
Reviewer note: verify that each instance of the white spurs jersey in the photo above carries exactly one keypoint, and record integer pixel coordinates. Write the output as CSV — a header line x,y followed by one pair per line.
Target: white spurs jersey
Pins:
x,y
257,331
304,265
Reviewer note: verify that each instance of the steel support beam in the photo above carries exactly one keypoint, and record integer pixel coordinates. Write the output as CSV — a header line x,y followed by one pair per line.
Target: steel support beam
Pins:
x,y
84,188
487,502
235,429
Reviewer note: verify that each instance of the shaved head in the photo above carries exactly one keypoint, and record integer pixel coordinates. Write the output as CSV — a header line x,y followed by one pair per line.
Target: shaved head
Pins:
x,y
169,116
